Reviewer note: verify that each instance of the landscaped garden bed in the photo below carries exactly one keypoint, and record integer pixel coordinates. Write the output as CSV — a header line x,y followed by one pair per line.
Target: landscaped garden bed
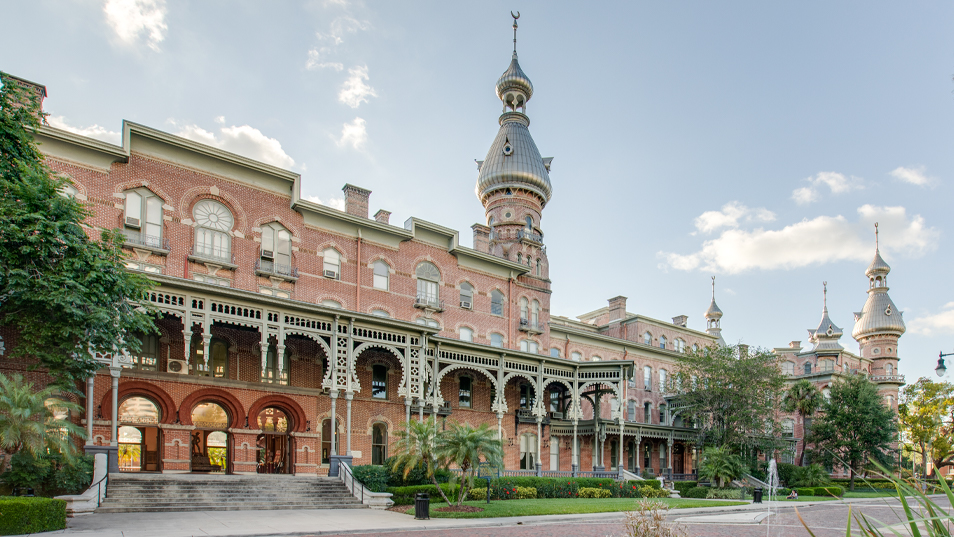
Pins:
x,y
557,506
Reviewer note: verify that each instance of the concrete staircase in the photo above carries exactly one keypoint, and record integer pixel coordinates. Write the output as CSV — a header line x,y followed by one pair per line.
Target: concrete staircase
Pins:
x,y
130,493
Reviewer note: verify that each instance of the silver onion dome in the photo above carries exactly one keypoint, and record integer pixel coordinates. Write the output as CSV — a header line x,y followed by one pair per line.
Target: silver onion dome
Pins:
x,y
514,161
514,79
713,312
877,266
878,316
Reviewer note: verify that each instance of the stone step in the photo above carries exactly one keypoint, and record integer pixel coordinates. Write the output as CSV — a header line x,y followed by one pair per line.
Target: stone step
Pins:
x,y
222,507
169,503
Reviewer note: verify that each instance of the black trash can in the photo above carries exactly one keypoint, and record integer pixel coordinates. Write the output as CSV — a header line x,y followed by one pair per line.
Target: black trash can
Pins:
x,y
757,495
422,506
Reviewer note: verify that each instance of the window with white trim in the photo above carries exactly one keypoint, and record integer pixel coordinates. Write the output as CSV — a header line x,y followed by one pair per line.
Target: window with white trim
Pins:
x,y
428,322
576,356
276,249
466,295
788,368
528,451
647,339
382,275
212,236
524,310
428,283
142,222
535,314
554,352
381,313
466,334
679,345
331,263
648,378
496,302
331,304
528,345
662,342
496,340
662,379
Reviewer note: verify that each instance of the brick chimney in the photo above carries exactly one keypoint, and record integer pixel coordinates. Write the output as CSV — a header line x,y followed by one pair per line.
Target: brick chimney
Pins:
x,y
795,344
680,320
31,89
383,216
481,238
743,350
356,200
617,308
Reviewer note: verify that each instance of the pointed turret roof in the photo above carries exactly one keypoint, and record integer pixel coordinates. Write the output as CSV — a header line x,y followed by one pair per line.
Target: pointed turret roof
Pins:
x,y
879,314
826,336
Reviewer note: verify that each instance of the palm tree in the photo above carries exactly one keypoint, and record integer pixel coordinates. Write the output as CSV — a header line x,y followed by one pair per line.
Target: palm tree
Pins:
x,y
721,466
415,446
805,399
464,445
28,423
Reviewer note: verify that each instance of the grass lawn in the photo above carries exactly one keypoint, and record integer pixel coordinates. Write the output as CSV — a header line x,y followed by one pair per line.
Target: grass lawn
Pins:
x,y
562,506
872,494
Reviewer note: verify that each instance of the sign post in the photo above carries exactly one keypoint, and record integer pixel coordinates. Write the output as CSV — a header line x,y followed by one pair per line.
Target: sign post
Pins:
x,y
488,471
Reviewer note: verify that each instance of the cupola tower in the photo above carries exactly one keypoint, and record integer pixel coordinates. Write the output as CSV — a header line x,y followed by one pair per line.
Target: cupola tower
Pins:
x,y
826,336
513,181
714,319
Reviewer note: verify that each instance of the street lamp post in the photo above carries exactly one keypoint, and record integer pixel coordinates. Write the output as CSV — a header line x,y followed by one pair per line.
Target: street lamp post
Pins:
x,y
941,368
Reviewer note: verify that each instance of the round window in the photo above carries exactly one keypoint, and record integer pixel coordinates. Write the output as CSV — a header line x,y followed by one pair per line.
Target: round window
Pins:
x,y
508,215
876,350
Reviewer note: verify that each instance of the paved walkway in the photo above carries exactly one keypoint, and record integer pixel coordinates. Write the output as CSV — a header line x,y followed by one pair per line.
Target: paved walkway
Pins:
x,y
345,521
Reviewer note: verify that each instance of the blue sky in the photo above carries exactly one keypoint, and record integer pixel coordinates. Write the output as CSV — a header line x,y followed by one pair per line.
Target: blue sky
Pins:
x,y
754,141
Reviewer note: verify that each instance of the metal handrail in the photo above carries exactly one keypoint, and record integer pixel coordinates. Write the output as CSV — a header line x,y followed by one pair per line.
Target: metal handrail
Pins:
x,y
344,479
213,254
150,241
425,300
272,267
98,485
529,235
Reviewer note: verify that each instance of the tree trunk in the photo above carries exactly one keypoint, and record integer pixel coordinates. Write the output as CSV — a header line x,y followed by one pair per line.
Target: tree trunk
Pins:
x,y
801,456
439,489
463,487
851,480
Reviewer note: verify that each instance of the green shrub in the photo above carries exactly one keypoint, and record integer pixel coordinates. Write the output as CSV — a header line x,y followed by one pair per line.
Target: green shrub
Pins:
x,y
683,486
590,492
697,492
813,475
50,474
724,494
415,476
372,476
19,515
405,495
477,494
786,473
830,490
805,491
647,491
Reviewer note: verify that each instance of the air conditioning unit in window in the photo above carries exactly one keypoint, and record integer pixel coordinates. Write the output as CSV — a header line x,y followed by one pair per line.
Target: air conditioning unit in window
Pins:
x,y
331,274
556,415
268,254
465,304
132,222
178,366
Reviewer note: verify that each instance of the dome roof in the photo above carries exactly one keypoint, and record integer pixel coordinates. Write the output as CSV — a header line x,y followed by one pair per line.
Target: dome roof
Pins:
x,y
514,78
877,266
514,161
878,316
713,312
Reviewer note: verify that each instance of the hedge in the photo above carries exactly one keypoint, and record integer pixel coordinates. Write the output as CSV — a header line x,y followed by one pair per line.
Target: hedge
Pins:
x,y
375,477
19,515
697,492
405,495
682,487
590,492
805,491
724,494
830,490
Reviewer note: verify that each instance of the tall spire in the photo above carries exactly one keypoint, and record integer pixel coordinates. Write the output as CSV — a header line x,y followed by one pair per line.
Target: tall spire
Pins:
x,y
825,298
826,336
515,17
879,314
713,318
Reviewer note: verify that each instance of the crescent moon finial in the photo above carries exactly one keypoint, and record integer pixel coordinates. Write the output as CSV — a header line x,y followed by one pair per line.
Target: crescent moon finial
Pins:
x,y
515,17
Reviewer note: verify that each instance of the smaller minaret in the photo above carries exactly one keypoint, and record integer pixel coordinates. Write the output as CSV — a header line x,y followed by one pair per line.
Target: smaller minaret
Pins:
x,y
826,336
713,319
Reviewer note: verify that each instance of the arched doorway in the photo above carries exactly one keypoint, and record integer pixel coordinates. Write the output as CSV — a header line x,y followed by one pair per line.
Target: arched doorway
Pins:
x,y
679,458
274,443
210,439
139,438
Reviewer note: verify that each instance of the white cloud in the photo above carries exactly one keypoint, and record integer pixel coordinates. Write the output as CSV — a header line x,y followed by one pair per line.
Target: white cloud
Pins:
x,y
821,240
334,203
730,215
243,140
316,60
915,176
938,323
220,120
354,134
94,131
355,91
837,183
318,56
130,18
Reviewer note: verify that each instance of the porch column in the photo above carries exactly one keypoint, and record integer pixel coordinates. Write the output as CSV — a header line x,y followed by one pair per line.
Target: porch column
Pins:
x,y
280,358
90,393
539,465
332,461
575,465
407,409
114,372
187,340
348,397
639,442
669,458
206,340
622,449
500,426
261,372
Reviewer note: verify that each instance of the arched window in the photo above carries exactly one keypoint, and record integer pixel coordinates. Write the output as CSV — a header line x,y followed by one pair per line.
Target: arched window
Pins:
x,y
519,258
535,314
788,368
826,393
528,451
464,393
496,340
147,358
888,369
326,439
496,302
788,428
381,313
554,352
631,410
576,356
276,249
662,414
679,345
647,339
539,270
210,416
648,378
490,221
142,222
276,372
524,310
662,342
379,381
428,282
382,275
466,334
331,264
466,295
647,412
138,410
595,358
212,236
331,304
529,221
379,443
428,322
808,368
528,345
663,378
695,347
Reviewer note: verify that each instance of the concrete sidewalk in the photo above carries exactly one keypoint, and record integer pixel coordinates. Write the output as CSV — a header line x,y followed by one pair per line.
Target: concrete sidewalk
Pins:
x,y
326,521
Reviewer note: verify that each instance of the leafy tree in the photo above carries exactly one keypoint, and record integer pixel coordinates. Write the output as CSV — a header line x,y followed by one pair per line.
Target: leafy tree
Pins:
x,y
720,465
28,424
812,475
64,293
415,447
925,417
855,427
805,399
464,445
732,393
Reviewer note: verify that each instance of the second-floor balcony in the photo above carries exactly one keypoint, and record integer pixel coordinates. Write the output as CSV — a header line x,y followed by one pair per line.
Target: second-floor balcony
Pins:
x,y
531,326
267,267
136,239
443,410
888,379
214,255
526,234
428,302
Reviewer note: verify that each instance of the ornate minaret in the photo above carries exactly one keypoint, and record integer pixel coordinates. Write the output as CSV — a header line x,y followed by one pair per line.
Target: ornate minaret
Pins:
x,y
826,336
878,326
513,181
713,319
